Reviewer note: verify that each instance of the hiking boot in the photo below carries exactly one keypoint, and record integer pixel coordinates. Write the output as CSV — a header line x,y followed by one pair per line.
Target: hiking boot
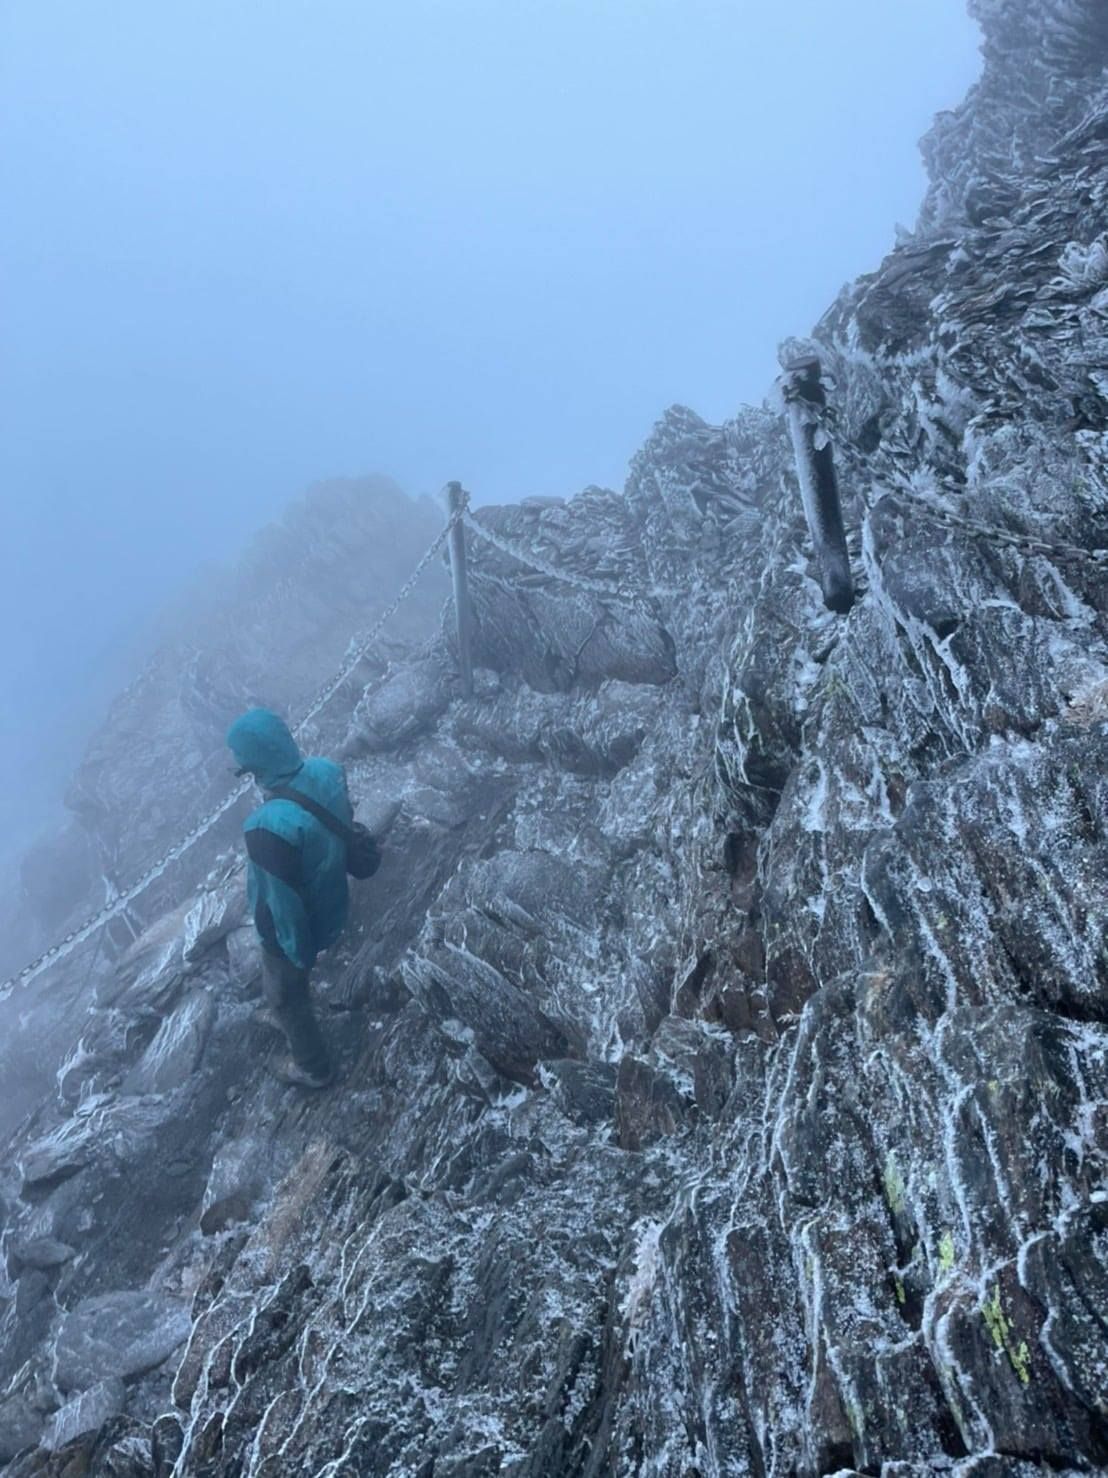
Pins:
x,y
289,1071
266,1016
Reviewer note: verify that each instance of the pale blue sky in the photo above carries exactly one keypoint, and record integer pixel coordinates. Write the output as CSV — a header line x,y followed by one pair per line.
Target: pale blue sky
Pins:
x,y
249,245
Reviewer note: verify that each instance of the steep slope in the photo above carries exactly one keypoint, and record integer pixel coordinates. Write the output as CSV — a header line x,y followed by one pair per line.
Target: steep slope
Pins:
x,y
726,1036
275,624
268,629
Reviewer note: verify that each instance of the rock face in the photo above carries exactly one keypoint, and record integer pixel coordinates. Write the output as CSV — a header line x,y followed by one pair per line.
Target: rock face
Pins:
x,y
115,1335
270,630
86,1413
724,1038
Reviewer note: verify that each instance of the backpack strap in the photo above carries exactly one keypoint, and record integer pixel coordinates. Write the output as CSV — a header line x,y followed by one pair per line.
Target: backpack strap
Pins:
x,y
321,813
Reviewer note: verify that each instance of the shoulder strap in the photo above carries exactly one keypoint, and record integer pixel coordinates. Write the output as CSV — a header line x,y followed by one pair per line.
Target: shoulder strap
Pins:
x,y
321,813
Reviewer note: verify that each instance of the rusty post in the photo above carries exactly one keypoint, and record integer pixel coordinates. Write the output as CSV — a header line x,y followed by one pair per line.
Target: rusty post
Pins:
x,y
805,400
457,498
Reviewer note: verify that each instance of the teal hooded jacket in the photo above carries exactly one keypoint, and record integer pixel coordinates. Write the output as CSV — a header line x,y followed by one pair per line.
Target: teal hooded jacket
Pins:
x,y
296,876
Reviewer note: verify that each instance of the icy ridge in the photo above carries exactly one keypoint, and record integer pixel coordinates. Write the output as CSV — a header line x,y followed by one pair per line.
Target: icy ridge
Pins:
x,y
726,1034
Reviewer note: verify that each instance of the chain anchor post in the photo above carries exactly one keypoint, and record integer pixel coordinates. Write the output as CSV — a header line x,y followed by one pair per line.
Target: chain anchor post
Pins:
x,y
805,402
457,501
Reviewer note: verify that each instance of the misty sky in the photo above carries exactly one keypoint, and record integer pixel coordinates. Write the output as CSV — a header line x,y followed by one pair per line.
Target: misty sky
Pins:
x,y
247,244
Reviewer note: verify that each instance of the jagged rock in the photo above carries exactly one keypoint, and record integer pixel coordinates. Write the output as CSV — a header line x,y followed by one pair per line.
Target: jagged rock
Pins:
x,y
122,1450
85,1413
37,1464
236,1180
20,1426
224,1212
550,634
649,1104
31,1289
697,1060
103,1125
116,1334
471,1000
41,1252
244,955
379,815
59,1154
212,917
152,970
593,734
584,1091
403,705
725,1046
167,1441
174,1054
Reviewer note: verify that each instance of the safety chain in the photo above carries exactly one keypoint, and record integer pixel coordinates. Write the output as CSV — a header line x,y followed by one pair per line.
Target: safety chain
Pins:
x,y
1067,552
327,692
536,562
113,909
121,901
116,906
824,420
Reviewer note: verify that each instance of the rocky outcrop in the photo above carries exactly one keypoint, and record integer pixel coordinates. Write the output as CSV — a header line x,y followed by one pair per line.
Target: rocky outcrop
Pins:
x,y
270,630
724,1038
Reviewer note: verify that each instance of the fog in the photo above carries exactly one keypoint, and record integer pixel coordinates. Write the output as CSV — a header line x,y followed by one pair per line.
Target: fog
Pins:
x,y
248,246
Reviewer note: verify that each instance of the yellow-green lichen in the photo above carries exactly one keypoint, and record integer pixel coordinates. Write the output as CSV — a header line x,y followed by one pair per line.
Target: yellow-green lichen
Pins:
x,y
996,1322
946,1252
901,1296
894,1185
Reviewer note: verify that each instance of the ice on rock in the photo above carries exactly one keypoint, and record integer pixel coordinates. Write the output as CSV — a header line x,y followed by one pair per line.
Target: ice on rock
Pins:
x,y
116,1335
85,1413
724,1040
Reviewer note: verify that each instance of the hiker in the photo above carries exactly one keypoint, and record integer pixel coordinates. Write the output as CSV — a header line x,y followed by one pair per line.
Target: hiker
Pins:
x,y
301,842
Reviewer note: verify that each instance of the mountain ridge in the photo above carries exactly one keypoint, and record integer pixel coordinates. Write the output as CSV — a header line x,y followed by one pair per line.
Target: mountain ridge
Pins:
x,y
725,1037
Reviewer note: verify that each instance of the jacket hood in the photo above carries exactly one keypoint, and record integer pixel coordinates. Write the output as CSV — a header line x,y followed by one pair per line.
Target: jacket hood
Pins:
x,y
260,741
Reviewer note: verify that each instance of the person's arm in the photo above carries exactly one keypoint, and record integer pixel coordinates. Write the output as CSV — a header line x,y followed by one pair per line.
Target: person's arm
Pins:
x,y
348,817
280,916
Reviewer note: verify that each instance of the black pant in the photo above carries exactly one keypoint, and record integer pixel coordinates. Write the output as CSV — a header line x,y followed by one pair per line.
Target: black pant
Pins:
x,y
286,991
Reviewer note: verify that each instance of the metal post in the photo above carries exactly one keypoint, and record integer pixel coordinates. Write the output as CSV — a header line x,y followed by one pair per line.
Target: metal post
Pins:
x,y
457,498
805,399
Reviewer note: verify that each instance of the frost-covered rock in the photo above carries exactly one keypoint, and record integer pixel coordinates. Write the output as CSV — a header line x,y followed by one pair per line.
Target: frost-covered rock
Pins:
x,y
21,1426
724,1038
116,1335
40,1252
85,1413
211,918
152,970
405,703
269,631
174,1054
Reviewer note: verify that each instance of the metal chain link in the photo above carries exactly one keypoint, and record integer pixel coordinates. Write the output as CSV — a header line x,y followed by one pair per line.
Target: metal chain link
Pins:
x,y
825,420
536,562
1029,542
120,902
112,910
329,690
528,558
